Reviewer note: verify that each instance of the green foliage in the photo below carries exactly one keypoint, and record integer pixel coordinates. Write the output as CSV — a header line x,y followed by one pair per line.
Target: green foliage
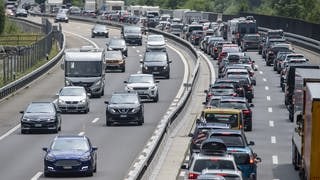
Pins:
x,y
11,28
2,16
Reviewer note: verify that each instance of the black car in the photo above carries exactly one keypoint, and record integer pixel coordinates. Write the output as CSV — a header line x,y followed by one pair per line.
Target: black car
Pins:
x,y
156,63
250,41
41,116
124,107
70,154
132,35
61,17
236,83
221,89
239,103
245,82
99,30
118,44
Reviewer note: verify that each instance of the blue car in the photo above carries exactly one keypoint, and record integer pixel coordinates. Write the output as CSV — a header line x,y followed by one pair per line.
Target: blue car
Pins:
x,y
70,154
237,144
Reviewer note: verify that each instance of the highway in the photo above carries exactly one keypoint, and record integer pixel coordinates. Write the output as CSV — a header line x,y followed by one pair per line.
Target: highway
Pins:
x,y
22,155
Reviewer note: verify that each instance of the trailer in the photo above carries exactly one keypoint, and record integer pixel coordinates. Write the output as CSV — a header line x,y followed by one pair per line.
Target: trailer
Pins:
x,y
110,5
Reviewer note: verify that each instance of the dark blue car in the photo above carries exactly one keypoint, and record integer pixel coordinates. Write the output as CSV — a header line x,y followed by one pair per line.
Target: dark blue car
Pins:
x,y
237,144
70,154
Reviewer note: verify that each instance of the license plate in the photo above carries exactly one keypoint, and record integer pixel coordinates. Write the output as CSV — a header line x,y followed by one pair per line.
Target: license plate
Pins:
x,y
155,73
38,125
123,115
67,167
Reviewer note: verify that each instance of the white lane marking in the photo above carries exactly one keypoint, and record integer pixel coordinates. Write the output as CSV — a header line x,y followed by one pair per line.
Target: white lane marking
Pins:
x,y
81,133
36,176
139,72
268,98
186,71
133,47
266,88
187,158
10,132
273,140
95,120
270,109
140,55
264,79
182,173
257,66
271,123
138,50
260,72
274,159
82,37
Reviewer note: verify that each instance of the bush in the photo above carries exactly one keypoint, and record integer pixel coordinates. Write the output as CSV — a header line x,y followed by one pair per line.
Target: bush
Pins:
x,y
2,16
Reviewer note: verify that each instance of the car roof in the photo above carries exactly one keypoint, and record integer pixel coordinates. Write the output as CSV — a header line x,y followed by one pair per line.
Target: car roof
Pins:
x,y
71,137
221,110
237,70
227,131
232,98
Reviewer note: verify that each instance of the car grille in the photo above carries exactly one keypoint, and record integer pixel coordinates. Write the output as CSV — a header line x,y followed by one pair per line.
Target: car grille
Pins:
x,y
156,68
140,88
71,102
84,84
67,162
124,110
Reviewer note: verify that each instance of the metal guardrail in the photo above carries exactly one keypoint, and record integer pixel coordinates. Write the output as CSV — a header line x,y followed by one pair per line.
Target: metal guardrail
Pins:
x,y
302,41
23,81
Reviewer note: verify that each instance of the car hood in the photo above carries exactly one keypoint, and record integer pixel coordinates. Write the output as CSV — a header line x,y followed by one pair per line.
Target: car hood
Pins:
x,y
155,43
70,154
38,116
71,98
117,47
140,85
155,63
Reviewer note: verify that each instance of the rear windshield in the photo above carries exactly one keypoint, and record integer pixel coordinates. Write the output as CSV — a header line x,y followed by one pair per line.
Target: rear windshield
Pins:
x,y
213,163
230,140
225,118
233,104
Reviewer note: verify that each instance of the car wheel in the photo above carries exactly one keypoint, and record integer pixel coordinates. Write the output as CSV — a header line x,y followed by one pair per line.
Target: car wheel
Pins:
x,y
59,129
56,130
67,21
92,36
156,99
23,131
108,123
249,127
89,173
140,123
107,36
46,174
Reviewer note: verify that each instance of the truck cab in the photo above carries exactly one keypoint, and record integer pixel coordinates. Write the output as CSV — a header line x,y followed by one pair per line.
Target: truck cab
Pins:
x,y
85,67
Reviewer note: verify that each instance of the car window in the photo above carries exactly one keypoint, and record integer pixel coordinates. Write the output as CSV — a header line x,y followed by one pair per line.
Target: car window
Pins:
x,y
155,38
70,144
155,56
72,92
117,42
114,55
140,79
212,163
233,104
124,99
231,140
40,108
231,119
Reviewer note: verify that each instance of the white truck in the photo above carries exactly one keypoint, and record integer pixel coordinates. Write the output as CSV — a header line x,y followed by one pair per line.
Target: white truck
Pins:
x,y
110,5
191,16
179,13
90,5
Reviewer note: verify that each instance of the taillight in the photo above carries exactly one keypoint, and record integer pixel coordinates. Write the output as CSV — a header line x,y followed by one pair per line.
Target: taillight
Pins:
x,y
251,161
234,94
215,49
249,87
246,112
193,176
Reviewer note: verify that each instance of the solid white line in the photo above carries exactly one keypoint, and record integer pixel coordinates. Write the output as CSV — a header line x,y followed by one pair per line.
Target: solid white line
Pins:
x,y
138,50
270,109
268,98
10,132
35,177
182,173
260,72
140,55
187,158
264,79
271,123
133,47
81,133
273,140
266,88
95,120
82,37
275,159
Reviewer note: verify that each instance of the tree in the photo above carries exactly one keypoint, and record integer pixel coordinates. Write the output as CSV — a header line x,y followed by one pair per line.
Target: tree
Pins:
x,y
2,16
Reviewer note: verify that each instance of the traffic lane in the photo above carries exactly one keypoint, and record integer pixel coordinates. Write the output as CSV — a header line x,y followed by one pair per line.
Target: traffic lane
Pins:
x,y
271,127
312,56
42,89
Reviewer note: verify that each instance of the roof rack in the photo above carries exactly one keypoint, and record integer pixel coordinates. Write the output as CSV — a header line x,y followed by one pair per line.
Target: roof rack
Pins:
x,y
213,146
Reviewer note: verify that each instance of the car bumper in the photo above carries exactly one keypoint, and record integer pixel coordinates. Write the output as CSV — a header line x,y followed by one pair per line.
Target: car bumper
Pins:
x,y
68,166
72,108
39,125
145,94
100,34
123,118
115,66
133,40
158,72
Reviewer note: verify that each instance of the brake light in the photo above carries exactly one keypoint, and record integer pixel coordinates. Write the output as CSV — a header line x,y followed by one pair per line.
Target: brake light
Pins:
x,y
251,161
249,87
246,112
215,49
221,174
234,94
193,176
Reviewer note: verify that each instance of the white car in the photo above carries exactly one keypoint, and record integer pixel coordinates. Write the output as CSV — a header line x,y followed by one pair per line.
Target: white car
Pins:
x,y
73,99
144,85
156,42
208,174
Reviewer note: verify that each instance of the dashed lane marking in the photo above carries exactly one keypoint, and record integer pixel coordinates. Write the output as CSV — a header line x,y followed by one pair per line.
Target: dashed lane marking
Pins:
x,y
268,98
270,109
95,120
264,79
138,50
260,72
274,159
36,176
271,123
266,88
273,140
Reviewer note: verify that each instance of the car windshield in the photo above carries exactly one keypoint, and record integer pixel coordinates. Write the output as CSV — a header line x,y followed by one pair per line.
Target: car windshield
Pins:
x,y
117,42
73,92
113,55
230,140
226,118
132,30
155,38
140,79
40,108
65,144
83,68
233,104
124,99
100,28
212,163
222,92
214,102
155,57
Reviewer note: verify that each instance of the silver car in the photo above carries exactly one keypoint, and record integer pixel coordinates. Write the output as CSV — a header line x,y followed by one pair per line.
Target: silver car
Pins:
x,y
144,85
156,42
73,99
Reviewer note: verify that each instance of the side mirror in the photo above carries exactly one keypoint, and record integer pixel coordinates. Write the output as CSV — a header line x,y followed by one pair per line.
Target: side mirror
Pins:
x,y
45,149
251,105
307,59
157,81
184,166
198,121
170,61
94,148
141,61
106,102
125,81
204,103
251,143
21,112
190,135
258,160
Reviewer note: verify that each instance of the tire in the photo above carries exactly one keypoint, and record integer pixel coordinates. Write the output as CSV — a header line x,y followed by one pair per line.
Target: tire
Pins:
x,y
249,127
108,123
90,173
23,131
46,174
107,36
95,167
156,99
59,129
102,93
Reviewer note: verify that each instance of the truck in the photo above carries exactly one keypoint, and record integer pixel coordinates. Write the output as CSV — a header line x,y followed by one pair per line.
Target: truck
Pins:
x,y
85,67
295,94
179,13
305,138
90,5
191,16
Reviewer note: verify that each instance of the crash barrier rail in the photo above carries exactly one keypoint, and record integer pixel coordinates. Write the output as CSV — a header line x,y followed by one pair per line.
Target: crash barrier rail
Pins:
x,y
142,161
302,41
25,57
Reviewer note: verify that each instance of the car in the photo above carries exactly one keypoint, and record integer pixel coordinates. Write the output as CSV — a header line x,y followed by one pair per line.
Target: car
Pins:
x,y
241,104
132,35
156,42
203,41
73,99
236,83
176,29
118,44
279,60
124,107
217,174
115,60
274,49
99,30
70,154
213,155
237,145
144,85
196,37
269,42
61,17
20,12
41,115
186,31
217,47
250,41
212,102
220,90
156,63
228,48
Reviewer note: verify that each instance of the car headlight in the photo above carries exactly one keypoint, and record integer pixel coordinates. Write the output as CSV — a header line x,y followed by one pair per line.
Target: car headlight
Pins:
x,y
68,83
111,110
153,87
66,18
165,67
128,88
51,119
94,31
26,119
50,157
134,110
86,157
82,101
98,83
145,67
61,101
